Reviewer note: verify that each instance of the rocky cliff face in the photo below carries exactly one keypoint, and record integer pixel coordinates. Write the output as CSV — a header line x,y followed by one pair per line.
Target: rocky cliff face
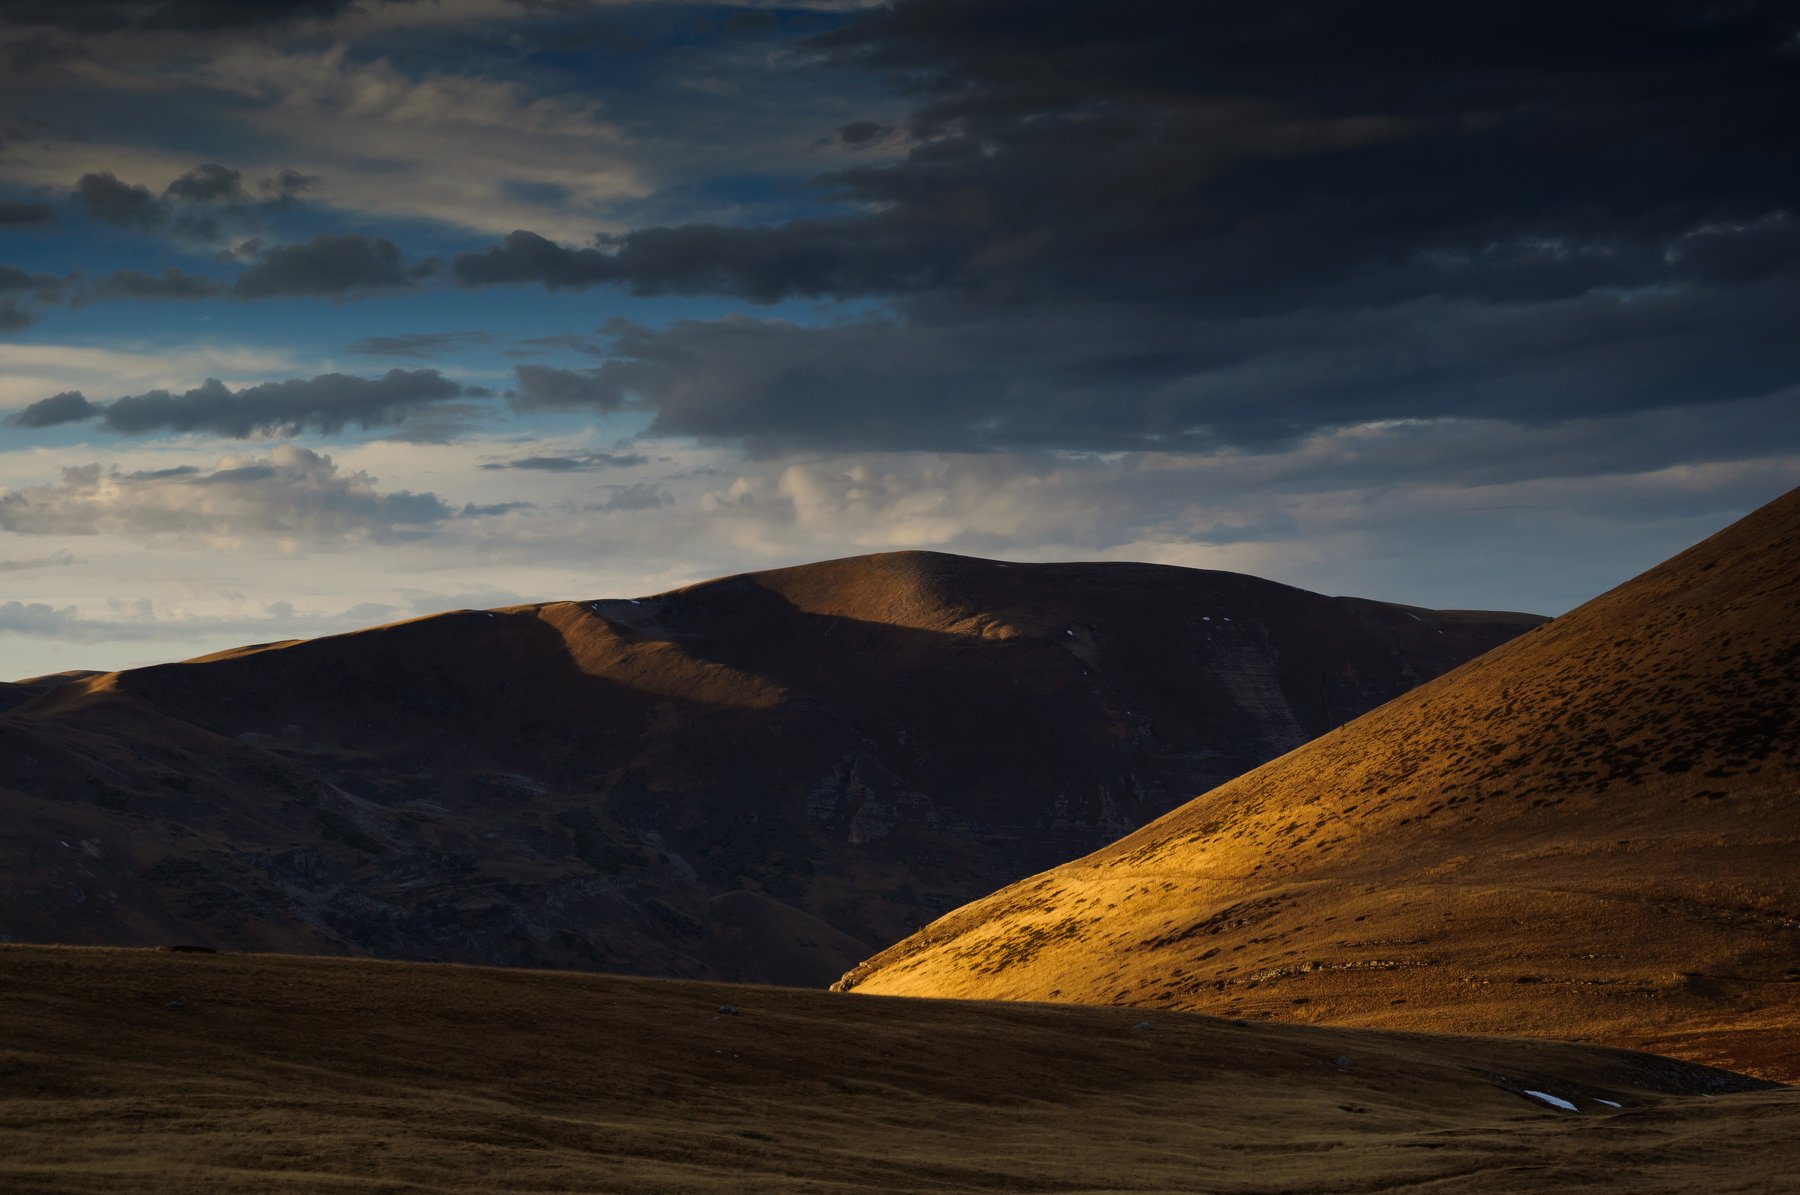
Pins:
x,y
764,777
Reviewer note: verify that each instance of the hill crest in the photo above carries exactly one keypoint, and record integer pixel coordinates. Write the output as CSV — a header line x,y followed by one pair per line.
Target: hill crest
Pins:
x,y
1587,832
758,777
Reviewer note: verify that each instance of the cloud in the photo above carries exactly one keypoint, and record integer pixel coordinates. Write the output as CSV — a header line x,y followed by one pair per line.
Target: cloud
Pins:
x,y
208,183
104,198
14,214
858,135
293,496
56,559
326,404
30,370
384,130
14,316
106,16
545,388
45,288
339,266
37,618
285,188
14,279
1192,225
537,346
1121,378
576,463
813,258
172,283
199,204
473,510
638,496
417,344
347,265
71,406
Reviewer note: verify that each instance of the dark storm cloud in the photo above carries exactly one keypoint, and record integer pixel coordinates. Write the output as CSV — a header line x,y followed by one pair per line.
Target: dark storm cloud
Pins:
x,y
198,205
1235,223
172,283
285,188
71,406
331,265
104,16
208,183
543,388
327,404
12,214
862,132
1127,377
104,198
417,344
813,258
14,316
13,279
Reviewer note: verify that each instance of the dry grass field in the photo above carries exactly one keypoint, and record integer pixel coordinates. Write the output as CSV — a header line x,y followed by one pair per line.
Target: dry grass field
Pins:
x,y
1589,833
144,1071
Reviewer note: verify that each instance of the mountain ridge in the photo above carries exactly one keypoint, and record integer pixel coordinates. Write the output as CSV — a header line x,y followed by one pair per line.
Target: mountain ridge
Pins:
x,y
839,752
1587,832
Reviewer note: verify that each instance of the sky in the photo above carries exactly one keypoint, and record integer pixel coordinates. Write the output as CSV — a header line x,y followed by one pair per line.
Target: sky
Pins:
x,y
316,315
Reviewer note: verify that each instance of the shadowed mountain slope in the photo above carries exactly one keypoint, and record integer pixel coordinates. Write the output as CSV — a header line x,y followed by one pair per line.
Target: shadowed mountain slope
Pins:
x,y
763,777
284,1074
1592,832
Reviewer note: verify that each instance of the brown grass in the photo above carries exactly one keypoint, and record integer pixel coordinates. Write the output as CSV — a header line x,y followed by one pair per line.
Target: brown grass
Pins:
x,y
156,1072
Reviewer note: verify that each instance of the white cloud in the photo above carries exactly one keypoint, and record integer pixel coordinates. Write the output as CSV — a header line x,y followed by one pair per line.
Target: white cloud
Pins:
x,y
293,498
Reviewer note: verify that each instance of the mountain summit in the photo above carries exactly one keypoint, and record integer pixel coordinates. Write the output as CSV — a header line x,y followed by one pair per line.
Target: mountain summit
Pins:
x,y
763,777
1589,833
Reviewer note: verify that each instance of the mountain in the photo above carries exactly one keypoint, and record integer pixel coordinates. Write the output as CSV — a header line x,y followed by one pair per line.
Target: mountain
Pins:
x,y
763,777
1592,832
148,1072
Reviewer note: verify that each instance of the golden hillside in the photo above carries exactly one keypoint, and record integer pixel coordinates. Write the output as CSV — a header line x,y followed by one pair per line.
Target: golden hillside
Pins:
x,y
1591,832
145,1072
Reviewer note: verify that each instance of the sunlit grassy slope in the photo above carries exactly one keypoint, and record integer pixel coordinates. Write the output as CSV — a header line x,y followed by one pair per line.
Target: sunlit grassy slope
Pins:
x,y
139,1071
1591,832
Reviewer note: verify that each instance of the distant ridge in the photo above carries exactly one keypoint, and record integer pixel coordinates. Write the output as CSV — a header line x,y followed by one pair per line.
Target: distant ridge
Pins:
x,y
1592,832
763,777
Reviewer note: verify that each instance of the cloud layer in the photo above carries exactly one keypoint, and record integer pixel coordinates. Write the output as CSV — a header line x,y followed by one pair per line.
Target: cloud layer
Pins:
x,y
327,404
293,496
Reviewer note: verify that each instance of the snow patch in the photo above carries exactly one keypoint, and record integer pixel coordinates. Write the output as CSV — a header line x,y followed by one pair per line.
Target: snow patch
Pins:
x,y
1608,1103
1565,1105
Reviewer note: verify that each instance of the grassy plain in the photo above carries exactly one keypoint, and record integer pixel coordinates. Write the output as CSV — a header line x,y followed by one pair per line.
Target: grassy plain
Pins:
x,y
145,1071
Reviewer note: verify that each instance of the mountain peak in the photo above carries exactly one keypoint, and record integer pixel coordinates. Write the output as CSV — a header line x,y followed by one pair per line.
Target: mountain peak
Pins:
x,y
1489,842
